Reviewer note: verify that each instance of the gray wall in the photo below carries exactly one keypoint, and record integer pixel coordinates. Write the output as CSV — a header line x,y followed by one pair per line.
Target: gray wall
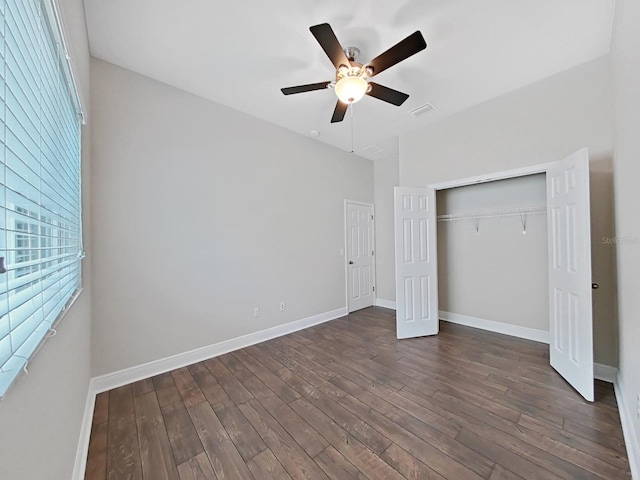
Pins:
x,y
385,172
41,414
542,122
626,81
498,273
202,213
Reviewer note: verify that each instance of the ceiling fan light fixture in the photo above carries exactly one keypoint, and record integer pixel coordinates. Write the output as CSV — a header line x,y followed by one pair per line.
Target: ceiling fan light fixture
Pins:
x,y
350,89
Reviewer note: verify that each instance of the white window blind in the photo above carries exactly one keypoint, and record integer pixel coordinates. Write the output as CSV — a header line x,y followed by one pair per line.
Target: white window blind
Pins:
x,y
40,209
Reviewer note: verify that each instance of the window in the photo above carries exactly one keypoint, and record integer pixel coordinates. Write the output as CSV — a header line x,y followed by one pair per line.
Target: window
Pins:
x,y
40,200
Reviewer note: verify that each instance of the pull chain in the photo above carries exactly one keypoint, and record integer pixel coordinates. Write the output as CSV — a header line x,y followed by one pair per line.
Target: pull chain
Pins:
x,y
351,108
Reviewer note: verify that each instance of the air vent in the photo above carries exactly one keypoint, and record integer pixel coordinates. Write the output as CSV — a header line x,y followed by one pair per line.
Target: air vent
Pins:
x,y
372,149
421,110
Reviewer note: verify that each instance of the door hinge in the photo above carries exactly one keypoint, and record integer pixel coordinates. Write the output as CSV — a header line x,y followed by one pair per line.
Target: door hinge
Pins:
x,y
374,288
372,252
371,217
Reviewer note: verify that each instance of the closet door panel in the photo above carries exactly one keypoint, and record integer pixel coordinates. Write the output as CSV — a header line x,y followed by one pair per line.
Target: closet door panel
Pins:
x,y
416,262
570,315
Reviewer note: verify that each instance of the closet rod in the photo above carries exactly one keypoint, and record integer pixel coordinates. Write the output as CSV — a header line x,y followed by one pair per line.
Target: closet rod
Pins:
x,y
493,213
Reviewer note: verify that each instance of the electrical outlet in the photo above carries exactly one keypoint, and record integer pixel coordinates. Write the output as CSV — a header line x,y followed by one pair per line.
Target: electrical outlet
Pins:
x,y
256,311
283,306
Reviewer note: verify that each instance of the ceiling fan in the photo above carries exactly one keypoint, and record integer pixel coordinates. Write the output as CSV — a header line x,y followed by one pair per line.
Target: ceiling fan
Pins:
x,y
352,78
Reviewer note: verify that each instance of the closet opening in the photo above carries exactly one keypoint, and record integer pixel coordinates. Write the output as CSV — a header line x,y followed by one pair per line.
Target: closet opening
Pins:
x,y
492,256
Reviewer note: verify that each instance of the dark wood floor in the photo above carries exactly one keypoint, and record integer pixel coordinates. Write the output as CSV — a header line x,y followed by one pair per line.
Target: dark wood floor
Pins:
x,y
346,400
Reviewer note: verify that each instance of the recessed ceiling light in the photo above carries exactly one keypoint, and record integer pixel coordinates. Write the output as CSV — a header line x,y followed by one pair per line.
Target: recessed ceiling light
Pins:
x,y
314,133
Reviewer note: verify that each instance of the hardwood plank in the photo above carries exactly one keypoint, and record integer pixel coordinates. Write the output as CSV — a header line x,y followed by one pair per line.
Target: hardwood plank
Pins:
x,y
304,387
605,453
123,452
351,423
269,378
155,451
530,445
225,458
231,362
101,408
229,383
241,432
443,454
504,457
197,468
408,465
291,455
166,391
142,386
295,360
393,401
501,473
121,403
182,435
300,431
212,390
96,468
595,435
336,466
187,387
370,464
199,367
266,465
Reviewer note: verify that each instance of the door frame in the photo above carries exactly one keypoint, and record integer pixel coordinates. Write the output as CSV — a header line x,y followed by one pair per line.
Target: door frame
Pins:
x,y
490,177
346,250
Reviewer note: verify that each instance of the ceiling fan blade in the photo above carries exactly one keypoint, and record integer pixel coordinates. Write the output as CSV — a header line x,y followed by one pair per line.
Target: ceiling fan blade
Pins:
x,y
304,88
387,94
330,44
339,112
411,45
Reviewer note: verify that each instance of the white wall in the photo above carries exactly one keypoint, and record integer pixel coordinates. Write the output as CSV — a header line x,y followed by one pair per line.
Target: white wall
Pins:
x,y
202,213
385,173
496,273
41,414
542,122
626,86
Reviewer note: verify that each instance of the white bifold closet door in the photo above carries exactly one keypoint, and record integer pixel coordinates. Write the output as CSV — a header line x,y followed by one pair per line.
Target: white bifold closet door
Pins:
x,y
569,231
416,262
569,246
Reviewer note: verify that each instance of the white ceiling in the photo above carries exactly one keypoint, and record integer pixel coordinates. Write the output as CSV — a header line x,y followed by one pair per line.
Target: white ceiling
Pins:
x,y
241,53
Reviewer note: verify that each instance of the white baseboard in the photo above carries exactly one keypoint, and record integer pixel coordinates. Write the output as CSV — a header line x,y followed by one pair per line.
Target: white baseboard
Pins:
x,y
628,429
116,379
498,327
80,464
606,373
150,369
381,302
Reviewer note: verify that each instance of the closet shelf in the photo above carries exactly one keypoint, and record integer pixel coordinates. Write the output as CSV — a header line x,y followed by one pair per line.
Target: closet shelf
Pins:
x,y
511,212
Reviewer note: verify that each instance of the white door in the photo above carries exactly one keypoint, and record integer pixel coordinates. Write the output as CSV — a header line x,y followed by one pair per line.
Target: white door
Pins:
x,y
360,256
571,348
416,262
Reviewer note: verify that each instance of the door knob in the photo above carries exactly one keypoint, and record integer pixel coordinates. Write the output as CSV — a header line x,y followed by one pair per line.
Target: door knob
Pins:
x,y
350,262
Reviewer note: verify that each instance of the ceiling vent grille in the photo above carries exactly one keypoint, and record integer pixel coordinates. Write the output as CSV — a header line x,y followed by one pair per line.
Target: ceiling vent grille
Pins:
x,y
372,149
421,110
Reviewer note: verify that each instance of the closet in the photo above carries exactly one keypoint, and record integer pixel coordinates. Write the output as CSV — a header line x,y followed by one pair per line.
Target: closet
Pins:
x,y
492,256
568,258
